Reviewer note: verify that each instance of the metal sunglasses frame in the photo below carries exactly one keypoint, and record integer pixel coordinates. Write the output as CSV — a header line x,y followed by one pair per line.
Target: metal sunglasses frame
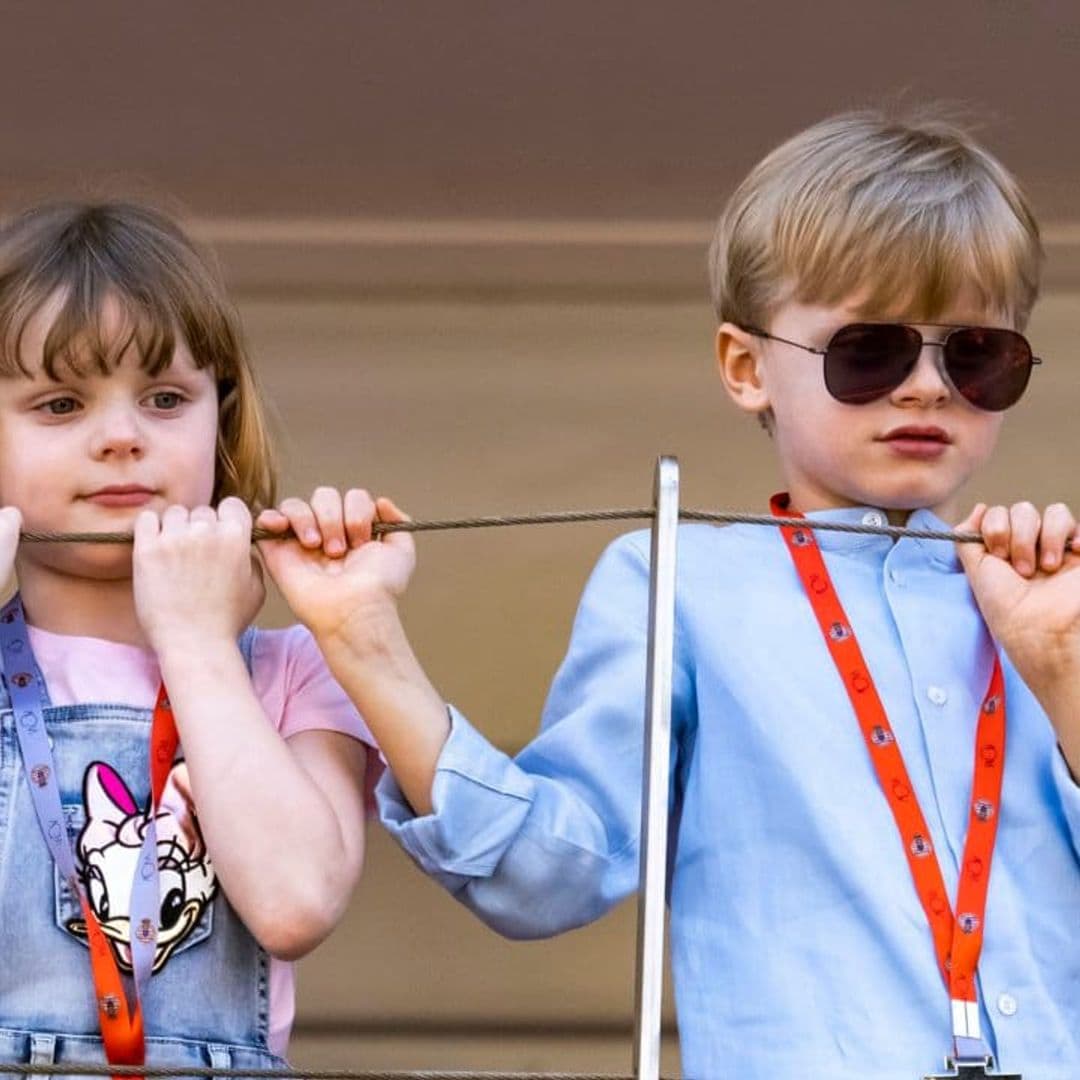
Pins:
x,y
952,328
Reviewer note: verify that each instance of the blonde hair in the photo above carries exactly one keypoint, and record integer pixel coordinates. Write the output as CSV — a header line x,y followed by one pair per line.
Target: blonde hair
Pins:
x,y
93,255
902,214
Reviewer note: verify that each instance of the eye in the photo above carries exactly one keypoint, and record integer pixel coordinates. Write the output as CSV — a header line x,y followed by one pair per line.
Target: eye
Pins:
x,y
60,406
172,898
166,400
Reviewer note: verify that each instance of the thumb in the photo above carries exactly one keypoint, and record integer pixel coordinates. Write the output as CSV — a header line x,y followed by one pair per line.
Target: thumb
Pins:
x,y
971,555
391,514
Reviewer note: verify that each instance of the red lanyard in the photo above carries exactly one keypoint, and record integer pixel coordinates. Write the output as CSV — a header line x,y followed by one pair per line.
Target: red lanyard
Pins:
x,y
121,1025
957,937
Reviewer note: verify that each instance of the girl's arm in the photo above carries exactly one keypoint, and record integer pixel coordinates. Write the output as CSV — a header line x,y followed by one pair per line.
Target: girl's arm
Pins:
x,y
283,821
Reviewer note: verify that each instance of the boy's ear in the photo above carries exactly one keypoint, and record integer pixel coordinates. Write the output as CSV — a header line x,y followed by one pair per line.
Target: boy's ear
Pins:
x,y
738,360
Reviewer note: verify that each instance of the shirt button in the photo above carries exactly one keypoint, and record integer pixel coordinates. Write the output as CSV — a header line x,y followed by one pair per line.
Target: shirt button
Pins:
x,y
1006,1004
873,517
938,695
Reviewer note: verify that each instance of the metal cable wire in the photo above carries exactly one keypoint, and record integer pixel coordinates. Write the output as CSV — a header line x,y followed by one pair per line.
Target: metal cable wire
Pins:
x,y
562,517
75,1068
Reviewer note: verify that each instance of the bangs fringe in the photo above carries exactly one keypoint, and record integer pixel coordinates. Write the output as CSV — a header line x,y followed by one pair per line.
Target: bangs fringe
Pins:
x,y
92,332
902,218
917,262
97,319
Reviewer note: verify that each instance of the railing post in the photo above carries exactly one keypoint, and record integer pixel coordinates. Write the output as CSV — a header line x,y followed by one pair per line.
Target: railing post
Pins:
x,y
656,773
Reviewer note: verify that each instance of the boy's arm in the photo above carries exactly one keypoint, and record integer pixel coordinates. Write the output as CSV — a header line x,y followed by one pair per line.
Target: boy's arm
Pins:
x,y
536,845
372,660
549,840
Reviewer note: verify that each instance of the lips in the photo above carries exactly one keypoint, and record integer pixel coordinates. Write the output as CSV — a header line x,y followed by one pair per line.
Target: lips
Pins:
x,y
923,434
916,441
121,495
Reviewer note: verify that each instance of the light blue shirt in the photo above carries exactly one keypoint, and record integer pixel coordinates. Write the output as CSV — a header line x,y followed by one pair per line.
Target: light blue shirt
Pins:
x,y
799,946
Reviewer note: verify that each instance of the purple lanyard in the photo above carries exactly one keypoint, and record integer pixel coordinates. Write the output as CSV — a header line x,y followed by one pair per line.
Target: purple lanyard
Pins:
x,y
28,701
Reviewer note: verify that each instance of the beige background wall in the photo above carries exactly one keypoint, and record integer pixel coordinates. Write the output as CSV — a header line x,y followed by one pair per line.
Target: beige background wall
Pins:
x,y
467,240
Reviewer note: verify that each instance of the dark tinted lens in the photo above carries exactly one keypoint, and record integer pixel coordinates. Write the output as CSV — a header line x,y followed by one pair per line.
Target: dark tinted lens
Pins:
x,y
866,360
989,367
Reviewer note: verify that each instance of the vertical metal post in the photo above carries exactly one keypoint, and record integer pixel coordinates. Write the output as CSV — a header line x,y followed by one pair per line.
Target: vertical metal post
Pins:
x,y
656,773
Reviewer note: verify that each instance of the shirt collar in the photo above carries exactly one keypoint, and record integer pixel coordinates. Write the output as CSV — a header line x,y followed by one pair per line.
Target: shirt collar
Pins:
x,y
942,553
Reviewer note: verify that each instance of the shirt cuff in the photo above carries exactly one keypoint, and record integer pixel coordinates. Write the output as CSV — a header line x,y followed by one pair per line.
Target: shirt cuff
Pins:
x,y
480,798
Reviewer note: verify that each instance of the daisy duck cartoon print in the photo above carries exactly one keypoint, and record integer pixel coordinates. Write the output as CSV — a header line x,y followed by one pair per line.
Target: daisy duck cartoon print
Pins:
x,y
108,853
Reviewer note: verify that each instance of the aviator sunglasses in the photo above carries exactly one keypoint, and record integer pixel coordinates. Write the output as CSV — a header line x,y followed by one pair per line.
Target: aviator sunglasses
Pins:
x,y
989,366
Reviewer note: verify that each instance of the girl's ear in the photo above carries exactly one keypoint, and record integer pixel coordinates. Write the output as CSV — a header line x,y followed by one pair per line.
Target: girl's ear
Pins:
x,y
738,360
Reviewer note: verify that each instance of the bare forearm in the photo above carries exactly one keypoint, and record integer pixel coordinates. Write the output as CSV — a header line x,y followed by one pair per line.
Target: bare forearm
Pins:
x,y
275,840
374,663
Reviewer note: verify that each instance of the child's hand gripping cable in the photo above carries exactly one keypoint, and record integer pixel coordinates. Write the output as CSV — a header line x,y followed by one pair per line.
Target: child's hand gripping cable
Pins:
x,y
344,585
1026,581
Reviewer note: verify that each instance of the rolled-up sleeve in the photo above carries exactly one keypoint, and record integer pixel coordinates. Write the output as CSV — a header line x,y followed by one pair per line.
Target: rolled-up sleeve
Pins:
x,y
549,840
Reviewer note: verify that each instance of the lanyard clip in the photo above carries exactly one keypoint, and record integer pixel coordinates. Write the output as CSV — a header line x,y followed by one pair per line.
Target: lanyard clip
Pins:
x,y
971,1069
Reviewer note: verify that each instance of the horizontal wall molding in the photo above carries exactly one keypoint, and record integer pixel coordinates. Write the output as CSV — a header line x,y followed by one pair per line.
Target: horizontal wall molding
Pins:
x,y
490,259
467,1028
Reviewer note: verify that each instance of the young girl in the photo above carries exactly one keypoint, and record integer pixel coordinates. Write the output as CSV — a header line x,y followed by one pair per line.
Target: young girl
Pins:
x,y
127,404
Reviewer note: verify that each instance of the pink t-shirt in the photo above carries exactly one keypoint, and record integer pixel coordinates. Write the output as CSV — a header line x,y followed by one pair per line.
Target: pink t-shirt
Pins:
x,y
290,679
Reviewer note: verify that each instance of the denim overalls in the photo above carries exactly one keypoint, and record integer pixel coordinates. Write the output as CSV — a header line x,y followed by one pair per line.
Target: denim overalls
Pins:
x,y
207,1006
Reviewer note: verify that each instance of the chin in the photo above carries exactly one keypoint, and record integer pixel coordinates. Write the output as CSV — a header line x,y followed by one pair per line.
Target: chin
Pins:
x,y
913,493
103,562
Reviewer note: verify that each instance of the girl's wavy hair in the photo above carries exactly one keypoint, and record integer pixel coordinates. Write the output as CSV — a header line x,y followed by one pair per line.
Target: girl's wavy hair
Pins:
x,y
91,259
905,213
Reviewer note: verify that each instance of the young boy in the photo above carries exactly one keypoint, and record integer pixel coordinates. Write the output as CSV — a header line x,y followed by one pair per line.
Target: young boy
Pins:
x,y
838,717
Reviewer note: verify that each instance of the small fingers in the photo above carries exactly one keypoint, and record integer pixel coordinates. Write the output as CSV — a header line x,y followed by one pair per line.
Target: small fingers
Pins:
x,y
203,515
174,520
233,511
1030,541
301,518
359,514
1058,528
996,531
147,526
1025,523
273,519
326,503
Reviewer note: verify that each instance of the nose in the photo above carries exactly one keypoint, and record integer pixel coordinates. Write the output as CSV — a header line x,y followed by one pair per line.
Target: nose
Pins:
x,y
926,384
117,433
